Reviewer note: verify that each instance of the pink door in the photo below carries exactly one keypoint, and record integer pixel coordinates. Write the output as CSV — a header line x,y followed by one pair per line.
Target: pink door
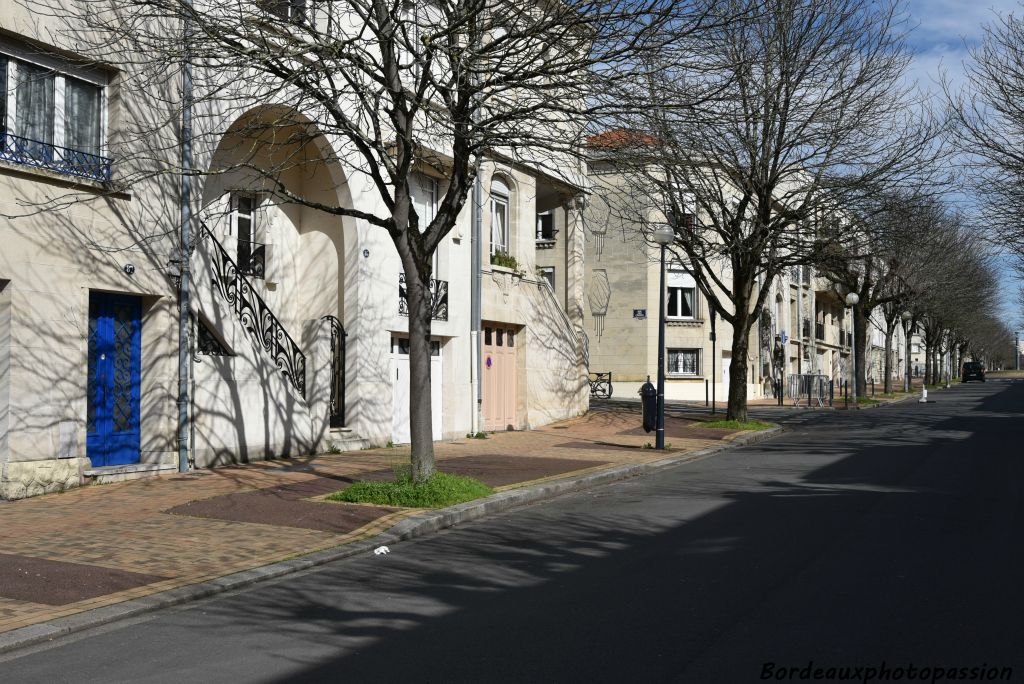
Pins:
x,y
499,377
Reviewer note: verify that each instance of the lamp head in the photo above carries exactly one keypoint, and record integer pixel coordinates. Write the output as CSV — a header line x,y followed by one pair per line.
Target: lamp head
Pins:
x,y
664,235
852,299
906,315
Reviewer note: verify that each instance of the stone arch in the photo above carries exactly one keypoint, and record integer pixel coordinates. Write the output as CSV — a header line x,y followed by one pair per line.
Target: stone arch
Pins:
x,y
272,145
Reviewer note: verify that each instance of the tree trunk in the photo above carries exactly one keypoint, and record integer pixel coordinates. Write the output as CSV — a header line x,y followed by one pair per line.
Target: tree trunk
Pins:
x,y
741,325
737,409
860,322
927,363
418,301
890,330
420,418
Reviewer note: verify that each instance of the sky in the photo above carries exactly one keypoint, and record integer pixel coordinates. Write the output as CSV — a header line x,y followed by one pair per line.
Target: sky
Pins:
x,y
943,30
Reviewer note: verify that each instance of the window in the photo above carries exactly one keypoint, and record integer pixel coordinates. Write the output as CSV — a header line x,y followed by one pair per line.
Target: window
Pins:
x,y
424,200
34,107
499,217
251,254
546,227
292,10
683,362
402,346
51,119
682,295
82,111
548,274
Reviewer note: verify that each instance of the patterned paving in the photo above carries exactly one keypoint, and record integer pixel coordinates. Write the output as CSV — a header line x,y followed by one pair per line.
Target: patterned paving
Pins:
x,y
120,540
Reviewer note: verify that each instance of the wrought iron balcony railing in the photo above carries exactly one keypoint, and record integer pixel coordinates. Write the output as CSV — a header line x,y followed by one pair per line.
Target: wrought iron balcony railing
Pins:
x,y
263,327
546,231
252,259
438,298
18,150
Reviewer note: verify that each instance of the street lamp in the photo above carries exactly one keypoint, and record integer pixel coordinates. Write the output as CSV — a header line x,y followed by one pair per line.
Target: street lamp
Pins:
x,y
851,301
907,317
663,236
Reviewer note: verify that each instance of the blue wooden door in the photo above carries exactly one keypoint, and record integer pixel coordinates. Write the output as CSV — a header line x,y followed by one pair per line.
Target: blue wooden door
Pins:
x,y
115,366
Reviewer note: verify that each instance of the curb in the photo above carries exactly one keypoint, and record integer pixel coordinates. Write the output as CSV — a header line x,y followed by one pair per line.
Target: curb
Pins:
x,y
420,525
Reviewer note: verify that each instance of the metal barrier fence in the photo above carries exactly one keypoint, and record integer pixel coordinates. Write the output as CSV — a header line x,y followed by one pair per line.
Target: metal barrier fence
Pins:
x,y
809,388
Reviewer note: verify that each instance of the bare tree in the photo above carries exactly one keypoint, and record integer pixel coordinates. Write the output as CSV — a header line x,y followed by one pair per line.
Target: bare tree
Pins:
x,y
991,115
884,256
393,87
800,112
953,295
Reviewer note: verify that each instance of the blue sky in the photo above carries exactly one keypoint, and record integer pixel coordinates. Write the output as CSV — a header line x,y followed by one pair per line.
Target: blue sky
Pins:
x,y
943,30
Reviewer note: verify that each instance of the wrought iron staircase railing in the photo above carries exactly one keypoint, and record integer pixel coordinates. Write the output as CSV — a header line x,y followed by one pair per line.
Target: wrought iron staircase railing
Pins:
x,y
263,327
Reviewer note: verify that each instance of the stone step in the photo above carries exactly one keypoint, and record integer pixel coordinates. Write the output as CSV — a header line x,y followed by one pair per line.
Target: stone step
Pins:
x,y
344,439
120,473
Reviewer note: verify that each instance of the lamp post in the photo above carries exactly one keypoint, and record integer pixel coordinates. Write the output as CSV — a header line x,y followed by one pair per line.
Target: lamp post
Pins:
x,y
851,301
907,317
663,236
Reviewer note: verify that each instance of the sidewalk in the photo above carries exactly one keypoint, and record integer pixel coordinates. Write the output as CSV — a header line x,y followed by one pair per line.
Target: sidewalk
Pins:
x,y
98,546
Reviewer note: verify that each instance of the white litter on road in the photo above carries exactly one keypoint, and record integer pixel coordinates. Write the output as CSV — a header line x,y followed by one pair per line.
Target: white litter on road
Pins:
x,y
381,551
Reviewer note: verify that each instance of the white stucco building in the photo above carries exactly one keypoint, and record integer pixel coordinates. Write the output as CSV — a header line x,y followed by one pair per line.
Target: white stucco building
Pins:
x,y
301,344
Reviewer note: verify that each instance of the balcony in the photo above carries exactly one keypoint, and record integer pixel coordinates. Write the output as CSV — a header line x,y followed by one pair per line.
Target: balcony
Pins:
x,y
252,259
438,298
44,155
546,231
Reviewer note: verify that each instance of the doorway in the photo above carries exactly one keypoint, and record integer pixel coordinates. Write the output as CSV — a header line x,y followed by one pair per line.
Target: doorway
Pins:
x,y
499,377
400,432
113,382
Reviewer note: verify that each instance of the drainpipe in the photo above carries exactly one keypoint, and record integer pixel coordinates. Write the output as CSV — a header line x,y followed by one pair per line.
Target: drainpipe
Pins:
x,y
185,246
476,353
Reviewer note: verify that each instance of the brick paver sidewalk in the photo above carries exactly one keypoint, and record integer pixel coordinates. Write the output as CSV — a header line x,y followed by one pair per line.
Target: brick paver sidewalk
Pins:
x,y
62,554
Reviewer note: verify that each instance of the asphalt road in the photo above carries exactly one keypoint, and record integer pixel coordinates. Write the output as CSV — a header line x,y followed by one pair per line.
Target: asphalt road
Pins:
x,y
884,538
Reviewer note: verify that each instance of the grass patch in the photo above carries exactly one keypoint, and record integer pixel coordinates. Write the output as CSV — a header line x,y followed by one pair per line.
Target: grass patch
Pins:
x,y
868,400
737,425
440,490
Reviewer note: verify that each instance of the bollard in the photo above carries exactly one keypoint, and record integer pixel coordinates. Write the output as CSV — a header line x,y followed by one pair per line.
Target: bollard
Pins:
x,y
924,396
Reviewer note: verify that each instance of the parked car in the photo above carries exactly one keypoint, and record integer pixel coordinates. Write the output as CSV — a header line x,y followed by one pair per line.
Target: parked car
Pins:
x,y
972,370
